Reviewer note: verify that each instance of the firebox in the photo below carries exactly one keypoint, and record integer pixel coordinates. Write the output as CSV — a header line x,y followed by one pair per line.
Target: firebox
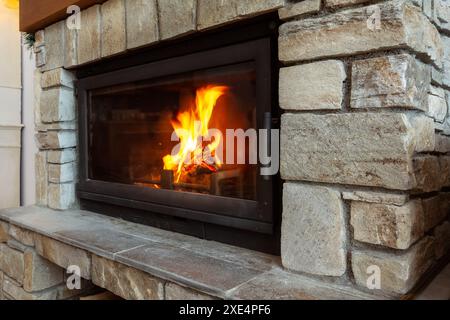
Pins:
x,y
169,136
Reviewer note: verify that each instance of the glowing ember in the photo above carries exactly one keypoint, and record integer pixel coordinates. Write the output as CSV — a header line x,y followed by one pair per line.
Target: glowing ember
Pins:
x,y
191,127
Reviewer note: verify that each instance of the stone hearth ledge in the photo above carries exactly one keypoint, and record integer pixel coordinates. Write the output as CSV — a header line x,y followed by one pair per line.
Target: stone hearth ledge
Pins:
x,y
208,267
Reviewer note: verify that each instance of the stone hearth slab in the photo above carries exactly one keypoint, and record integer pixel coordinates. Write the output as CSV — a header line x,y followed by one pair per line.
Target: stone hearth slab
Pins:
x,y
209,274
209,267
102,242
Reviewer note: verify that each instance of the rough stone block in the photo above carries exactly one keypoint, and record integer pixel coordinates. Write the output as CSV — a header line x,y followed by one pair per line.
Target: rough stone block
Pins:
x,y
142,22
312,86
126,282
298,9
113,34
176,17
427,173
446,73
12,263
434,212
437,104
56,140
63,255
40,57
402,24
54,46
40,273
370,149
4,232
376,197
442,143
61,156
313,230
387,225
442,239
176,292
57,104
212,13
399,272
390,81
61,173
71,42
41,174
23,236
1,286
444,164
57,77
424,133
61,196
15,292
37,97
342,3
89,42
39,39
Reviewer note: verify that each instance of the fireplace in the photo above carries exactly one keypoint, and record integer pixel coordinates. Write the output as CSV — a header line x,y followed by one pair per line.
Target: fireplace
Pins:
x,y
170,136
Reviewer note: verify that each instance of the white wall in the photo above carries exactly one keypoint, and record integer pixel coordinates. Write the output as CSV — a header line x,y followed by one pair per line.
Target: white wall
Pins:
x,y
10,107
29,149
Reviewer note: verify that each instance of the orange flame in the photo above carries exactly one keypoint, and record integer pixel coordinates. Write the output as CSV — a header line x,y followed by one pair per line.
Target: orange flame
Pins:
x,y
191,127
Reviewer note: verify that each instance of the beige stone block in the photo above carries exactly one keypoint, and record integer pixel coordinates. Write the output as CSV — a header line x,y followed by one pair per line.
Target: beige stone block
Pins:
x,y
89,41
347,33
12,263
4,232
427,173
176,17
399,272
298,9
369,149
23,236
62,156
71,42
176,292
342,3
61,173
442,239
387,225
390,81
212,13
56,140
57,77
434,211
142,22
313,86
126,282
54,46
113,32
437,104
313,230
57,104
376,197
41,174
442,143
63,255
40,274
61,196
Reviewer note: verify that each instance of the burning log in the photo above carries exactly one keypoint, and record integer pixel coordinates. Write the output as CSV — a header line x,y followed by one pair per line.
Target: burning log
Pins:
x,y
167,180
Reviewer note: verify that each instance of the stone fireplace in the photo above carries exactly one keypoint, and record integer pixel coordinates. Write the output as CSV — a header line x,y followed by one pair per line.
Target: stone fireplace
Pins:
x,y
360,91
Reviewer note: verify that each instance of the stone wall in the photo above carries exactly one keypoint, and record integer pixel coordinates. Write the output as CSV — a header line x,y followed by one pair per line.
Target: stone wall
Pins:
x,y
33,267
365,134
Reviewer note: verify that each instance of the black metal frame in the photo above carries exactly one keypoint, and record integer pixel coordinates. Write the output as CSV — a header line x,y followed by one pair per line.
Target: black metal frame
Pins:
x,y
251,42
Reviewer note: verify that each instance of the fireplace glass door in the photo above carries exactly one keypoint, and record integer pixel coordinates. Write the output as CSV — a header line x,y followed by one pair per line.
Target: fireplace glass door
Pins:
x,y
171,133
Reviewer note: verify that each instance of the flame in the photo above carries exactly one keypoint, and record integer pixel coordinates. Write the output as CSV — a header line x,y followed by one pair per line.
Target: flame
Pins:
x,y
191,127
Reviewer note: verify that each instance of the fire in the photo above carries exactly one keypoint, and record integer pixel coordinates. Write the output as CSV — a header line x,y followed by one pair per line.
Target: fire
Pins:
x,y
192,127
